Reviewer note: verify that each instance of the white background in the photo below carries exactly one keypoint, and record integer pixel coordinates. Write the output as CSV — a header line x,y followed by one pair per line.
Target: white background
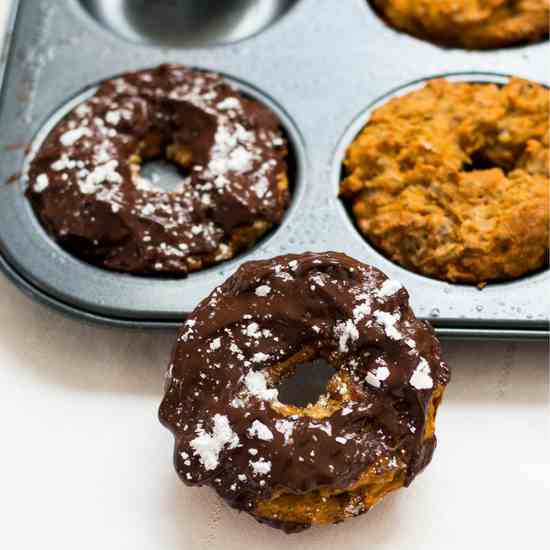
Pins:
x,y
85,464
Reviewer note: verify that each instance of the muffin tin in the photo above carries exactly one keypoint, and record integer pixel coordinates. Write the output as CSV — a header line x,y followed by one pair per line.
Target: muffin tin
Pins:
x,y
321,65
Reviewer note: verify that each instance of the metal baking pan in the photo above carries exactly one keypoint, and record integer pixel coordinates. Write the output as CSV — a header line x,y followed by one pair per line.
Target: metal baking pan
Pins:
x,y
321,65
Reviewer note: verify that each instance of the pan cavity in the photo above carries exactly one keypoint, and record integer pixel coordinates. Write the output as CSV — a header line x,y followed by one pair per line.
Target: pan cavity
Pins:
x,y
161,167
186,23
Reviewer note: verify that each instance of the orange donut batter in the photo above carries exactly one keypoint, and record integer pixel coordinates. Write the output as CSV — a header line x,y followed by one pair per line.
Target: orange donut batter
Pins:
x,y
452,181
475,24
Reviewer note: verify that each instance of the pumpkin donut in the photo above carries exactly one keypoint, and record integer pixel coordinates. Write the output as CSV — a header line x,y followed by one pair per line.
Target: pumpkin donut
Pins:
x,y
451,181
472,24
293,467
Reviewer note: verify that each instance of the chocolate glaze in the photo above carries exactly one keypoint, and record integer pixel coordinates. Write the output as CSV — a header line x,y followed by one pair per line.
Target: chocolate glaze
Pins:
x,y
265,313
91,198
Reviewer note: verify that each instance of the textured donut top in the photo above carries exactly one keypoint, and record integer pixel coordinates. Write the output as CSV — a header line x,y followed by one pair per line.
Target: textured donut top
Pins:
x,y
88,193
452,180
222,408
470,23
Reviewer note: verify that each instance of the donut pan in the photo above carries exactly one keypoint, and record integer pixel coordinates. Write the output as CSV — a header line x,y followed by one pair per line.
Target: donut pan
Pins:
x,y
321,65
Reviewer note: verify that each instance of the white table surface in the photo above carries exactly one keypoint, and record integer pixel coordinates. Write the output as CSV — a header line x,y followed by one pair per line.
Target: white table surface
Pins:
x,y
85,464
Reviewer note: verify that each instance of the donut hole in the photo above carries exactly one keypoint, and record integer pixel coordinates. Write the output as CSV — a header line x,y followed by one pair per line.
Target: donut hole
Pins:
x,y
163,174
186,23
160,163
480,161
307,384
164,167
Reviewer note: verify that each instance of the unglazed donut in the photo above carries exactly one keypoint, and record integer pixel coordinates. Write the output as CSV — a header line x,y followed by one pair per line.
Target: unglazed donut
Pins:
x,y
451,181
294,467
85,184
474,24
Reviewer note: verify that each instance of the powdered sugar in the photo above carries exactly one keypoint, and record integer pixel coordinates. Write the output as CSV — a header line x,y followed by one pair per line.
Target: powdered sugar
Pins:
x,y
63,163
253,330
261,467
113,117
389,288
215,344
229,103
388,321
261,431
361,311
70,137
324,427
261,187
376,377
256,384
209,446
41,183
285,427
346,331
421,378
263,290
103,173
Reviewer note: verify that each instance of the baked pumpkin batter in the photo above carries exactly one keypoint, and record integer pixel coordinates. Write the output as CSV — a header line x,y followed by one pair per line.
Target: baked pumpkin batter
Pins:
x,y
452,181
475,24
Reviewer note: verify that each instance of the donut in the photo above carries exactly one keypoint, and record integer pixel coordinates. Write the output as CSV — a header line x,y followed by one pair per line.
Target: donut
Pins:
x,y
451,181
86,187
471,24
292,467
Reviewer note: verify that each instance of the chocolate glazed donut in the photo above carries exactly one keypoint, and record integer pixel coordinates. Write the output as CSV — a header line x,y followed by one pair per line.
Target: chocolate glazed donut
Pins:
x,y
86,187
371,433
